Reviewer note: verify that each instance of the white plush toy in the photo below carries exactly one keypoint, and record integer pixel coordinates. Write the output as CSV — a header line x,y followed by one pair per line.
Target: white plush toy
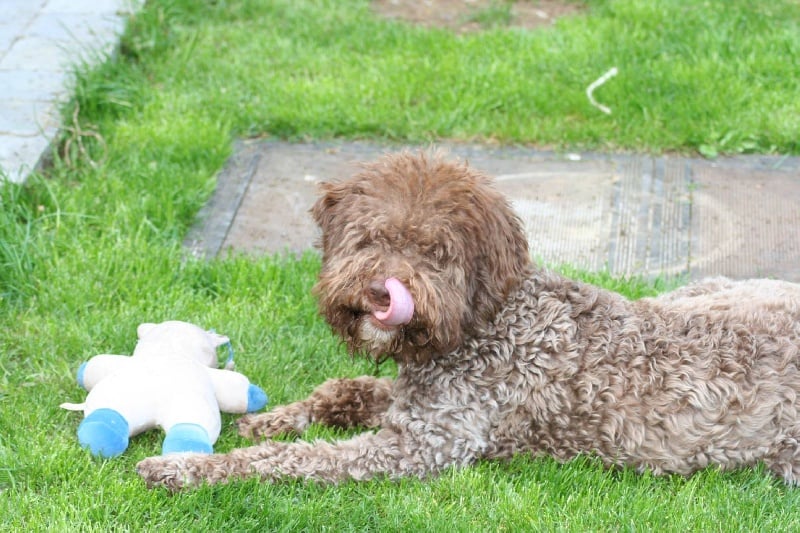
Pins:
x,y
171,381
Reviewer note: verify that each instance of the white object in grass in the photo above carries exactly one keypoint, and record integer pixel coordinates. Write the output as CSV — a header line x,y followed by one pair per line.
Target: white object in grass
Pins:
x,y
613,71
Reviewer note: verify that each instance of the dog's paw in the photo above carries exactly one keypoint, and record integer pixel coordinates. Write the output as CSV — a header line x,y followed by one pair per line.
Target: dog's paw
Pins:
x,y
266,425
174,472
249,425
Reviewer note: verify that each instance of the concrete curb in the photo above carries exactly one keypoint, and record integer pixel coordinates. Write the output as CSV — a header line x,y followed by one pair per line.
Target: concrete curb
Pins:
x,y
41,43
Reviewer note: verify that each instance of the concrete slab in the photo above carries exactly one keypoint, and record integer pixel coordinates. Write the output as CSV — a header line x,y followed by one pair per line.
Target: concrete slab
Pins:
x,y
39,53
17,152
747,221
629,215
27,118
32,85
41,42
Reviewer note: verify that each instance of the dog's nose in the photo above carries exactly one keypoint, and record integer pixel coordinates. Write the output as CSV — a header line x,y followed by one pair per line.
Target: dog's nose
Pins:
x,y
378,294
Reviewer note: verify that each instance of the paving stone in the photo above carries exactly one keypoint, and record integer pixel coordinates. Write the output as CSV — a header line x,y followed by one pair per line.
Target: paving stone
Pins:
x,y
27,118
86,31
19,13
20,155
747,221
546,195
8,34
32,85
38,53
625,214
90,6
41,42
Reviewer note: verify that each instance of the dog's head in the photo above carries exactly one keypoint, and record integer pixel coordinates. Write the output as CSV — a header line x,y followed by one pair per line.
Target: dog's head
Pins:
x,y
416,253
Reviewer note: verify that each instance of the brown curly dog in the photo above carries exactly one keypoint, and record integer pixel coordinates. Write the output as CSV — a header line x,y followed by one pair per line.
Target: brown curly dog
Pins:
x,y
424,262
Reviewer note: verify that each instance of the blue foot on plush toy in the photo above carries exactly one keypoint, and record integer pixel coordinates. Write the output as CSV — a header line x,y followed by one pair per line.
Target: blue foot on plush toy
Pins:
x,y
104,432
187,438
256,398
81,373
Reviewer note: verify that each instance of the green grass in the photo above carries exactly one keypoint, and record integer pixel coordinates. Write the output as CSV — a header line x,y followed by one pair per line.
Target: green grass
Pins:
x,y
719,76
88,252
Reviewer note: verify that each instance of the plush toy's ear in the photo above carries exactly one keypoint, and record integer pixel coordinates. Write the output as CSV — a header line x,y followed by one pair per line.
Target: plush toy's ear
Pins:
x,y
142,330
217,339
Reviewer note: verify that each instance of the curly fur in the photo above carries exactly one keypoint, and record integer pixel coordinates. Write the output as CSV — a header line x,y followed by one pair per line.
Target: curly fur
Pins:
x,y
503,357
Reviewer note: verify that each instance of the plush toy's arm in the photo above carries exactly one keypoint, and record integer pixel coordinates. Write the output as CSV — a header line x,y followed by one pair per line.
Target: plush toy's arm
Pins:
x,y
235,393
100,366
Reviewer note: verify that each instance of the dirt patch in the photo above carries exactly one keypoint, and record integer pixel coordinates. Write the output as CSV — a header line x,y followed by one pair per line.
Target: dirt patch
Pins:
x,y
464,16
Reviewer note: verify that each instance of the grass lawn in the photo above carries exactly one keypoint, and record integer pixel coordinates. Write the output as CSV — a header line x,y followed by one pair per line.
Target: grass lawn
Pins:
x,y
92,248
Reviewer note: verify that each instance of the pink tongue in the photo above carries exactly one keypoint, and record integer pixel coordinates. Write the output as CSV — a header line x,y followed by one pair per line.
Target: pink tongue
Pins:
x,y
401,305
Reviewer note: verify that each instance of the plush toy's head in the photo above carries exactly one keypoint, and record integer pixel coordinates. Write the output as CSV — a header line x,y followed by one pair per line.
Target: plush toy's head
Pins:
x,y
179,339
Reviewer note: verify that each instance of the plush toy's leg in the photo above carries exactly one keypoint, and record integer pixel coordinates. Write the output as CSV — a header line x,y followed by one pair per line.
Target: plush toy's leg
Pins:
x,y
187,438
191,420
104,432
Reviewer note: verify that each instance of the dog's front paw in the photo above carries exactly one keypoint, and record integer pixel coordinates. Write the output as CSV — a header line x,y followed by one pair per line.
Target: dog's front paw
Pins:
x,y
280,421
174,472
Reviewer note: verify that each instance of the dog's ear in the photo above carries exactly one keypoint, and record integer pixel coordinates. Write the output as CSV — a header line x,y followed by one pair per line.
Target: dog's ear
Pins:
x,y
501,249
323,209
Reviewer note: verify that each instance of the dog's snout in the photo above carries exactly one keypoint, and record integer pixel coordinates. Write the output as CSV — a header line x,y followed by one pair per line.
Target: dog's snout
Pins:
x,y
377,293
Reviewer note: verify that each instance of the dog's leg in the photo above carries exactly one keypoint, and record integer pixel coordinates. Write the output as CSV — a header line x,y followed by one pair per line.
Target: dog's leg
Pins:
x,y
784,461
363,457
344,403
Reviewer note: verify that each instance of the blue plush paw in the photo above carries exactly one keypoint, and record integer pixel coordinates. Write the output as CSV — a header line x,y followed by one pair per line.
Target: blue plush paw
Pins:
x,y
187,438
81,372
256,398
104,432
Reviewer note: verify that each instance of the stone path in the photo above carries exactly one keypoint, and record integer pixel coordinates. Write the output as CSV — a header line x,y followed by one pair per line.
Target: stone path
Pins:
x,y
40,43
628,214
